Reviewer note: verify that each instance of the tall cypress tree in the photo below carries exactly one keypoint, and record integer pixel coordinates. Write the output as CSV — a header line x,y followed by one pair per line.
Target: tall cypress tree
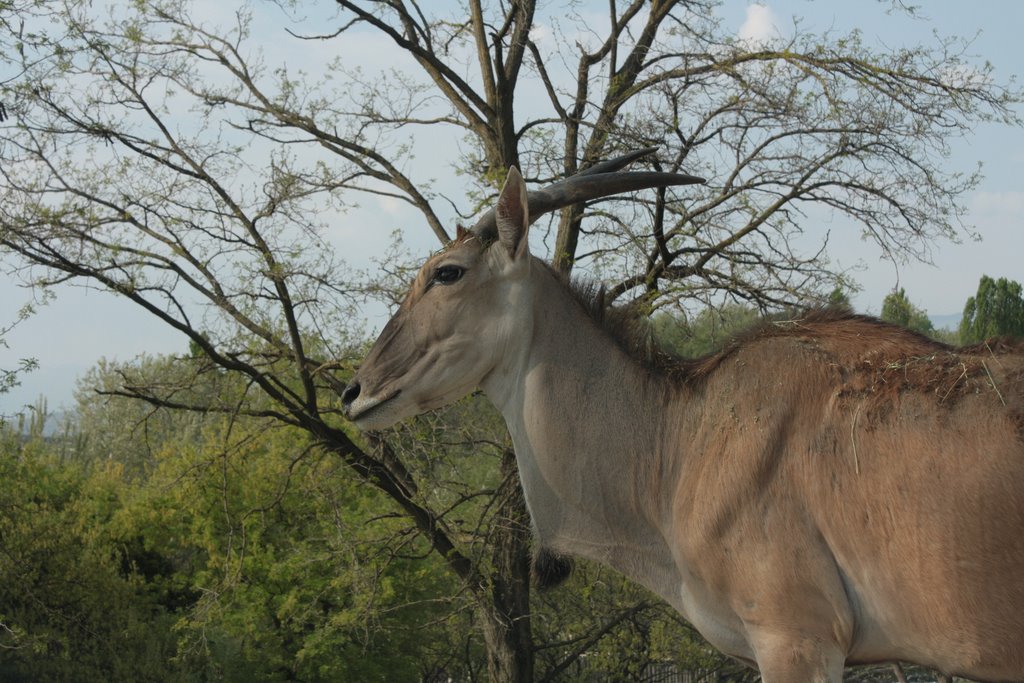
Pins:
x,y
996,310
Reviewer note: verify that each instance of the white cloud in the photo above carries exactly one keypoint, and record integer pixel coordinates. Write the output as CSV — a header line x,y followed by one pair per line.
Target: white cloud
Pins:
x,y
760,26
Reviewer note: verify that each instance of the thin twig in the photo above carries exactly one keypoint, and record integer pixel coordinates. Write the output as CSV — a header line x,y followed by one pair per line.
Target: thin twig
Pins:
x,y
993,382
953,385
853,438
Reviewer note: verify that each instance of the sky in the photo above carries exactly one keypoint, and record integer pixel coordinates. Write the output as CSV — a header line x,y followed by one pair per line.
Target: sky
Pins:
x,y
69,334
996,208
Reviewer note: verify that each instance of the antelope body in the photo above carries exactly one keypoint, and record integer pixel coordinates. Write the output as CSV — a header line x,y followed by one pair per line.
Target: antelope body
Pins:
x,y
835,490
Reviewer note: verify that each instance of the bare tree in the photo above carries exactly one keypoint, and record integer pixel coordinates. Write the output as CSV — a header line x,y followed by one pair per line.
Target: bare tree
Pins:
x,y
161,156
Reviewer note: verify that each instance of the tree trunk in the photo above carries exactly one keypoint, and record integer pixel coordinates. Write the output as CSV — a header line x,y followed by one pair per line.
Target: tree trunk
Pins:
x,y
509,658
506,615
567,239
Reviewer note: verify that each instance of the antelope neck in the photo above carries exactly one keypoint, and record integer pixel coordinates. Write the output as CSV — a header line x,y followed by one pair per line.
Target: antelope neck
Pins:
x,y
592,486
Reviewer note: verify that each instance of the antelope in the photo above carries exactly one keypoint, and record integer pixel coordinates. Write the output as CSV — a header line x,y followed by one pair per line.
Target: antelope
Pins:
x,y
829,491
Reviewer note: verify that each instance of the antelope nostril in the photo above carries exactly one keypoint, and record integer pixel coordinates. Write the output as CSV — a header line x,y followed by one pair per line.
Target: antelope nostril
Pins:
x,y
350,394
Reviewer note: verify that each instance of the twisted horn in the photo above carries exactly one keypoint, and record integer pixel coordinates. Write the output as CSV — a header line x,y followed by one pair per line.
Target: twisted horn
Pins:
x,y
600,180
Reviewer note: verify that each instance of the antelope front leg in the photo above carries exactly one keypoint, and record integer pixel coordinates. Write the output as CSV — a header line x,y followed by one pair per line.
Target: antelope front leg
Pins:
x,y
787,657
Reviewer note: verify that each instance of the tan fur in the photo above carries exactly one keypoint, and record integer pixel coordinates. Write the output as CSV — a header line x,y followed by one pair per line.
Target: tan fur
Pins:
x,y
826,490
848,452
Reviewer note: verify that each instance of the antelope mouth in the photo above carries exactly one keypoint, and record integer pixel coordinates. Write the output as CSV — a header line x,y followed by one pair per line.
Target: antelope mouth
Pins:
x,y
362,408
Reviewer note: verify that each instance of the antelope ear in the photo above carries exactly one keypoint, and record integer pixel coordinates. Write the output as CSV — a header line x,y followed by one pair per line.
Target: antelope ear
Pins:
x,y
513,214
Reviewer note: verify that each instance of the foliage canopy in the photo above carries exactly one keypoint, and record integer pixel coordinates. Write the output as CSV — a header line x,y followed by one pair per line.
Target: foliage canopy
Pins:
x,y
997,309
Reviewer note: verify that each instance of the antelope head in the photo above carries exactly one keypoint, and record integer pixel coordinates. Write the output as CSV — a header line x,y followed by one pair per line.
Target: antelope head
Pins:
x,y
469,307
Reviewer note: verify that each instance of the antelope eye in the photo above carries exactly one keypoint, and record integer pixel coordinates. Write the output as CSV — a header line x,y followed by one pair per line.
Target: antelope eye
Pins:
x,y
446,275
